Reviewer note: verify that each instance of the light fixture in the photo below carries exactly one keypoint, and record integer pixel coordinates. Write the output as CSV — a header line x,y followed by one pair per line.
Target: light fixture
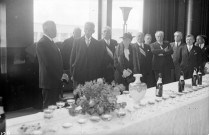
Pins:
x,y
125,12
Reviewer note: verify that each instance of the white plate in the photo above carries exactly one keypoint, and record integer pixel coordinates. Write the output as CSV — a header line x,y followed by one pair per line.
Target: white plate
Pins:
x,y
82,121
67,125
95,118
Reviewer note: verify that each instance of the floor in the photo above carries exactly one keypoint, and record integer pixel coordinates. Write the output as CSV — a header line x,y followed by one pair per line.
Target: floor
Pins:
x,y
28,111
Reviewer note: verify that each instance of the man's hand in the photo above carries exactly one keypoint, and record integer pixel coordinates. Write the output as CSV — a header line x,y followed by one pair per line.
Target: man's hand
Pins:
x,y
126,73
65,77
166,49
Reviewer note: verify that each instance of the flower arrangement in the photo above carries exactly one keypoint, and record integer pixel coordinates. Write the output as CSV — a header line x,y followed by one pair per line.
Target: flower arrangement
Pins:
x,y
98,97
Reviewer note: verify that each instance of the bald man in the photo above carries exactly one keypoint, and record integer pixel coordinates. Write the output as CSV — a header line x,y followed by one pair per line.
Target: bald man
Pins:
x,y
50,65
108,46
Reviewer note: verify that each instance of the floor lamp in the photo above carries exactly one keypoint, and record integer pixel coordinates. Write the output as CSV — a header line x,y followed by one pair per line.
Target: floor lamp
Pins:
x,y
125,12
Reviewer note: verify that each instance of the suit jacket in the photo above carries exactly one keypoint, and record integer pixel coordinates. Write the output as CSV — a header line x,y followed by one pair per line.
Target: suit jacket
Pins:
x,y
142,63
161,58
85,61
175,50
50,64
108,61
189,60
205,55
121,63
66,52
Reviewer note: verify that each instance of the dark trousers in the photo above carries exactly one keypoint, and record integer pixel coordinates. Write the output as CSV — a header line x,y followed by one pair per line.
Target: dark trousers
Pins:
x,y
166,75
50,97
149,79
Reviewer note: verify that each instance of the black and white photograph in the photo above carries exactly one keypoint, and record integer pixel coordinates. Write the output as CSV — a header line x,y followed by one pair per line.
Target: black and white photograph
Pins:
x,y
104,67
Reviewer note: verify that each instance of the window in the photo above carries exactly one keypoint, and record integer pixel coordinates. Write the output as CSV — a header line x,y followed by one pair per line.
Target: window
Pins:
x,y
135,19
67,14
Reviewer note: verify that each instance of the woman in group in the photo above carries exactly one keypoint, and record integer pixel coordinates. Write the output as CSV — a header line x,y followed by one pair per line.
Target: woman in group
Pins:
x,y
123,61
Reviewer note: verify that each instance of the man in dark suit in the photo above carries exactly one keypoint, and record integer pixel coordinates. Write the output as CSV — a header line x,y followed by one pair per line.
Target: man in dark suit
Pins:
x,y
67,48
85,57
201,41
189,56
175,74
50,65
162,61
143,60
108,45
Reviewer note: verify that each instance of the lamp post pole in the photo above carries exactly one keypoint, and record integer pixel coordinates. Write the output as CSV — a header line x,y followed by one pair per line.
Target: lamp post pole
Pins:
x,y
125,12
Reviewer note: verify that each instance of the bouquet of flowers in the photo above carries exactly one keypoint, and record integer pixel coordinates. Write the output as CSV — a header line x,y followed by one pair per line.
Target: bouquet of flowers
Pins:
x,y
98,97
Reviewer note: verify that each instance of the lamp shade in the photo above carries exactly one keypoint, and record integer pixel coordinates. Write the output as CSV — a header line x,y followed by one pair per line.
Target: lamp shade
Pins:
x,y
125,12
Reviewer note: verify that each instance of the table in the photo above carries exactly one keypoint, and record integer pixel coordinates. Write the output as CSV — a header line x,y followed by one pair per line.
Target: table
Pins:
x,y
184,115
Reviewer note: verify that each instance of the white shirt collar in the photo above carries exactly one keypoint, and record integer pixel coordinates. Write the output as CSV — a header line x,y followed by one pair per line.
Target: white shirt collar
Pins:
x,y
87,41
202,45
48,37
107,41
160,43
140,44
178,43
87,38
188,46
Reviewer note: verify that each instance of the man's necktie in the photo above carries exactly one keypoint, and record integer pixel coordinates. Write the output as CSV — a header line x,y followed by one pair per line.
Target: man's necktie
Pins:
x,y
87,42
142,51
190,48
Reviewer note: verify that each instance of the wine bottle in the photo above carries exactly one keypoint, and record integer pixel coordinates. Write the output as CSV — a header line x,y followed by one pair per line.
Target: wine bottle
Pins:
x,y
2,118
181,82
199,77
159,86
194,77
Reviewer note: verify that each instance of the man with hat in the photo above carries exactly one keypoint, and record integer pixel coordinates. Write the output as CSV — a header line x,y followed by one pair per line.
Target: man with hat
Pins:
x,y
123,61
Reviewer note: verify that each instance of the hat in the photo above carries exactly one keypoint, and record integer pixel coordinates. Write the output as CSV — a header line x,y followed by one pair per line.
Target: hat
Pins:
x,y
127,35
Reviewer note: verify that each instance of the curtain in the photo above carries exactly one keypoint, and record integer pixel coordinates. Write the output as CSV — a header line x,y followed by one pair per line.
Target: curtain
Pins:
x,y
160,15
204,18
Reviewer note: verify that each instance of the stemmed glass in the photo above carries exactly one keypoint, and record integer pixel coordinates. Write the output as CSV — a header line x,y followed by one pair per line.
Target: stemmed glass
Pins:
x,y
165,98
70,102
142,107
60,104
126,93
151,104
48,115
130,110
121,114
81,122
158,100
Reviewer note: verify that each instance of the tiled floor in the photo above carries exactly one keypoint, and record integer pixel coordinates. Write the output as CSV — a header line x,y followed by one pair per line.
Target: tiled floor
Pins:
x,y
28,111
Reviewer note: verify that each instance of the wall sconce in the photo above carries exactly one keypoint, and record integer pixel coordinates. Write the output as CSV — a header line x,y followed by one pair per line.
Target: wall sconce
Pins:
x,y
125,12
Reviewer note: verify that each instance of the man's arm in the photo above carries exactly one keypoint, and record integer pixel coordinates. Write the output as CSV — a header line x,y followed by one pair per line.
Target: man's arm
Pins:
x,y
156,51
45,56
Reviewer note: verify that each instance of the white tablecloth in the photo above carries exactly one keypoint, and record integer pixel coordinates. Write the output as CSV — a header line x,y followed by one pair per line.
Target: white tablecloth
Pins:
x,y
184,115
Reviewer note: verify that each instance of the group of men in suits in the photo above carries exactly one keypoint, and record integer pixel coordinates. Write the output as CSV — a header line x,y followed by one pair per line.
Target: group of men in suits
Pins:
x,y
85,58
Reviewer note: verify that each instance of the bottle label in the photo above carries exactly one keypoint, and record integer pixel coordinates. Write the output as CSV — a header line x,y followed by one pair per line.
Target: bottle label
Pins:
x,y
181,77
1,110
157,92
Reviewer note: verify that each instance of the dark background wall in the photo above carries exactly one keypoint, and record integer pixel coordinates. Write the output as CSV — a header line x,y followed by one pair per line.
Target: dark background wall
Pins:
x,y
172,15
